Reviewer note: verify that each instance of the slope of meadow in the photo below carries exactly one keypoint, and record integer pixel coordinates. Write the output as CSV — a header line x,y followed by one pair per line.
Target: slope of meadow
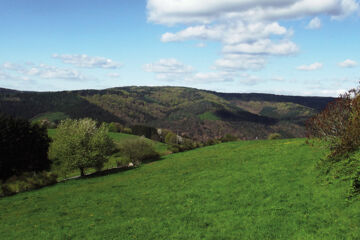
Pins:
x,y
237,190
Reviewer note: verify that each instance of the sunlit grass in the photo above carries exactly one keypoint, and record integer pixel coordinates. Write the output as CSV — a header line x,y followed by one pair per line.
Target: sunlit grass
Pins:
x,y
236,190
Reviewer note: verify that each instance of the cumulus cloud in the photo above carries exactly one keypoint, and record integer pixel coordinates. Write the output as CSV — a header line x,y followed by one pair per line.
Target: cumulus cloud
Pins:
x,y
51,72
263,47
12,66
234,62
233,33
43,71
204,11
169,69
347,63
211,77
315,23
114,75
201,45
85,61
311,67
244,27
174,70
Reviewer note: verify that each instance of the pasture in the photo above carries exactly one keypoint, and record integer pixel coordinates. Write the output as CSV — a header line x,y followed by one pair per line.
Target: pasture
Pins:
x,y
235,190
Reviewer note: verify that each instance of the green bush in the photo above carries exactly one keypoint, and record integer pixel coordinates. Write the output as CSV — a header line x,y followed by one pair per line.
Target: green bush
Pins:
x,y
139,150
115,127
171,138
27,181
273,136
127,130
228,138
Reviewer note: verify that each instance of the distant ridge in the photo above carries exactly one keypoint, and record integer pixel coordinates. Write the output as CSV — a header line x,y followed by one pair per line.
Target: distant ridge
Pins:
x,y
199,114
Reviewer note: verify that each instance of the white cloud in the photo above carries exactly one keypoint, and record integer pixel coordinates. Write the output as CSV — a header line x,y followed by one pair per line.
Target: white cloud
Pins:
x,y
43,71
51,72
315,23
169,69
114,75
237,32
244,27
206,11
173,70
85,61
263,47
201,45
250,80
12,66
235,62
311,67
211,77
348,63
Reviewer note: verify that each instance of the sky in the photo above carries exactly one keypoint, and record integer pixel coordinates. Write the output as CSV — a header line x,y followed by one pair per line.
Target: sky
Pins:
x,y
290,47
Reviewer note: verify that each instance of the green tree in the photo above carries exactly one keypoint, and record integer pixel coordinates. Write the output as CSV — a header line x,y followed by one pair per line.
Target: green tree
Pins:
x,y
80,144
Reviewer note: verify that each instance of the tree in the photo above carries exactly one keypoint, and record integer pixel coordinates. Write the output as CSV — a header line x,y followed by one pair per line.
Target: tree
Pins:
x,y
339,124
80,144
23,147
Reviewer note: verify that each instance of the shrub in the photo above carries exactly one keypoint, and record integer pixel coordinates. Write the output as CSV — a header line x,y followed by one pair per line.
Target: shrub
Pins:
x,y
115,127
127,130
171,138
273,136
23,147
27,181
139,150
229,138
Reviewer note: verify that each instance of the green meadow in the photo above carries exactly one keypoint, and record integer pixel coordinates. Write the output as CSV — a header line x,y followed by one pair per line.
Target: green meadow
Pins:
x,y
235,190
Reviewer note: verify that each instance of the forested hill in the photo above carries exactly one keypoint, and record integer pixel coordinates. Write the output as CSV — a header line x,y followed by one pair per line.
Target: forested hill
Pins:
x,y
196,113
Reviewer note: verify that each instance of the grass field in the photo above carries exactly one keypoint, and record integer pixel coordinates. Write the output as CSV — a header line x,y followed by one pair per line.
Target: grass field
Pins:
x,y
237,190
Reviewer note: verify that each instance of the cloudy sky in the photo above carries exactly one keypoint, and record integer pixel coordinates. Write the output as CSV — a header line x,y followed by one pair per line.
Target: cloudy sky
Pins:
x,y
293,47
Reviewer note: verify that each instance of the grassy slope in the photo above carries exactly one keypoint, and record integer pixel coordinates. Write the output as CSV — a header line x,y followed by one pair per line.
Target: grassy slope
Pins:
x,y
238,190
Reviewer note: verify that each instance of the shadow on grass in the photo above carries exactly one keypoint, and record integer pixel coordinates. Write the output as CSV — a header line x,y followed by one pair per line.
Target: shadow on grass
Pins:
x,y
115,170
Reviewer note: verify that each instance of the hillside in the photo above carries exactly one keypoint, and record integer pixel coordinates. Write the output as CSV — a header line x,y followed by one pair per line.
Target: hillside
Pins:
x,y
191,112
237,190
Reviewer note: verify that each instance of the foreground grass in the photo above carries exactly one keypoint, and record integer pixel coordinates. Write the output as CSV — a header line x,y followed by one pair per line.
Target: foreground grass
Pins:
x,y
237,190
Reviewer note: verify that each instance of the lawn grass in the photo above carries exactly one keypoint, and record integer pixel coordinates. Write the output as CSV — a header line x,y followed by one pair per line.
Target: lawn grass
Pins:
x,y
235,190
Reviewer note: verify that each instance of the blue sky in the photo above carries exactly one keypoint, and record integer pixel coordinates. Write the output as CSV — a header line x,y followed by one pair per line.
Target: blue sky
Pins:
x,y
293,47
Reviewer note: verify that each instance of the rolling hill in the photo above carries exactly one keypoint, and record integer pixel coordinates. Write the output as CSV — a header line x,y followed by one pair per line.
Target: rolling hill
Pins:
x,y
198,114
236,190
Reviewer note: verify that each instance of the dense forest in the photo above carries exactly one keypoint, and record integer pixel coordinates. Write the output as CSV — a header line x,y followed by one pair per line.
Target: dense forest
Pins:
x,y
190,112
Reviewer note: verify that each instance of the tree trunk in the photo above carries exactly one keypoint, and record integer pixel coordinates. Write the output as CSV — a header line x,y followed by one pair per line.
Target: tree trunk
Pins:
x,y
82,172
